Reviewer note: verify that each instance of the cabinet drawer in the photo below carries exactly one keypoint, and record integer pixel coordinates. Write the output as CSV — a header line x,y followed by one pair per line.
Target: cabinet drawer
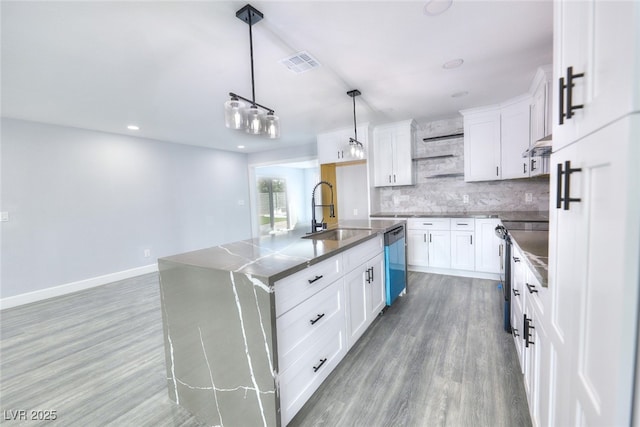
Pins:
x,y
306,374
535,291
361,253
301,326
296,288
463,224
429,223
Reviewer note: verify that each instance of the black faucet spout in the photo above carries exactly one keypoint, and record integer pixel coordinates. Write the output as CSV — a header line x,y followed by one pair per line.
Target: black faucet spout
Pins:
x,y
317,226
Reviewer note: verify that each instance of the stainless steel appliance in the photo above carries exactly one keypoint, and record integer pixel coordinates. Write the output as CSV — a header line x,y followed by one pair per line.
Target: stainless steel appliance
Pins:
x,y
395,263
505,274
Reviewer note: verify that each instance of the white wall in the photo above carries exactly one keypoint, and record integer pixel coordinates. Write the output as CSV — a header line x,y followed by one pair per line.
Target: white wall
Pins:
x,y
84,204
352,188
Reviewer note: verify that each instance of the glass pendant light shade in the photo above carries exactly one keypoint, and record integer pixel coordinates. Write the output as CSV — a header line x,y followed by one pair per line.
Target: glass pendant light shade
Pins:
x,y
254,120
272,126
234,114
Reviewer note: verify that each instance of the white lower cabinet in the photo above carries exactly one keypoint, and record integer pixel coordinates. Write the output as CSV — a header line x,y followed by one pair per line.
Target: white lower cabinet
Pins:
x,y
320,312
365,287
429,242
489,247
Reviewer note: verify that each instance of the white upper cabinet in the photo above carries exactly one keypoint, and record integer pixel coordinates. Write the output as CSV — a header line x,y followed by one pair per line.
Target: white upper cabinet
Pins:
x,y
596,47
482,144
392,151
541,109
514,137
333,147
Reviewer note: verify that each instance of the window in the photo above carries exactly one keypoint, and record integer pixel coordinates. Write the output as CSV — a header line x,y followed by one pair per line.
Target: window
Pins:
x,y
273,212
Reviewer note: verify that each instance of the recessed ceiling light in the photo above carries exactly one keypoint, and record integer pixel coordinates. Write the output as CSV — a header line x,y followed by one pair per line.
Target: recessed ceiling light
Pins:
x,y
437,7
241,146
133,127
454,63
459,94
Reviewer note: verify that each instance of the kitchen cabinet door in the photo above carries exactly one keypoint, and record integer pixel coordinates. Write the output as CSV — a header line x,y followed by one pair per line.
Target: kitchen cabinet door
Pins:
x,y
376,287
514,137
439,248
487,246
392,157
482,145
593,274
599,40
333,147
462,250
417,248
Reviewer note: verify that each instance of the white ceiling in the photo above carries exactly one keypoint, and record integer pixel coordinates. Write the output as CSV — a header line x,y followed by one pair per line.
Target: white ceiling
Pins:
x,y
168,66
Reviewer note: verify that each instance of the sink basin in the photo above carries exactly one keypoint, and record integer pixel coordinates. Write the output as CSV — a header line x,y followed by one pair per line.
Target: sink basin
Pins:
x,y
338,234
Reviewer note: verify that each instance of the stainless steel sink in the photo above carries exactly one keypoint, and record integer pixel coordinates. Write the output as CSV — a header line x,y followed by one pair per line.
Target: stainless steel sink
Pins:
x,y
338,234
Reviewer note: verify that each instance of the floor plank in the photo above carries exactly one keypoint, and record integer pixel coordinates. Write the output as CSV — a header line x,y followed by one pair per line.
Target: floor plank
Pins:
x,y
437,357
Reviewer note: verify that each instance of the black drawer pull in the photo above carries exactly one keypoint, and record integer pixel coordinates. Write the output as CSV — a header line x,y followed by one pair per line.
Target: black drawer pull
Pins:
x,y
515,292
371,273
315,368
427,223
516,259
314,321
368,278
524,167
459,223
532,289
527,331
533,165
313,280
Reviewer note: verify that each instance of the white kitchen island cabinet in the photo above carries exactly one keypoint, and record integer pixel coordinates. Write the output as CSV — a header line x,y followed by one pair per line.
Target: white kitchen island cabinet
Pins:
x,y
253,328
594,222
392,154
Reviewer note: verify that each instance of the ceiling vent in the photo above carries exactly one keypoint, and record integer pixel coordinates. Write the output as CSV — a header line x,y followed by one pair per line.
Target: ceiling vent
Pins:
x,y
300,62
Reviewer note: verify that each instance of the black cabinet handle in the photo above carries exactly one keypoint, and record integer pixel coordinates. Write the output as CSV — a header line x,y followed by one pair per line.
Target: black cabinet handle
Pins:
x,y
514,331
497,174
561,87
314,321
394,177
389,178
533,165
471,238
567,112
524,167
371,274
527,331
515,292
315,368
313,280
460,223
516,259
368,279
427,223
567,199
532,289
424,236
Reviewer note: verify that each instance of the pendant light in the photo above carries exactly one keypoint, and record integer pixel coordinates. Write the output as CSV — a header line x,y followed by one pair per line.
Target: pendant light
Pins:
x,y
356,148
237,115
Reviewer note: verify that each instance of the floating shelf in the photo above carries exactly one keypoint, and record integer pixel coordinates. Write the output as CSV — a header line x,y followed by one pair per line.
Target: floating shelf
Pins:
x,y
446,175
441,156
443,137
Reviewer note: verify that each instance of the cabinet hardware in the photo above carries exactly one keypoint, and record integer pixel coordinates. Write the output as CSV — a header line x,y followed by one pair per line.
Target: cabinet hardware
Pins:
x,y
424,237
394,177
313,321
514,331
533,165
459,223
389,178
497,174
372,279
569,98
429,237
516,259
527,331
567,199
471,240
524,167
368,278
315,368
427,223
515,292
532,288
316,278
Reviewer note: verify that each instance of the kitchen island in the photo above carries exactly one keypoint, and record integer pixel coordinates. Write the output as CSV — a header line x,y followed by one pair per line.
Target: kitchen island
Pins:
x,y
219,309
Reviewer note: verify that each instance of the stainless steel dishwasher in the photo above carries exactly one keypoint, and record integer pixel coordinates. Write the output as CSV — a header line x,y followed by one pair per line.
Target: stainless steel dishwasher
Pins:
x,y
395,263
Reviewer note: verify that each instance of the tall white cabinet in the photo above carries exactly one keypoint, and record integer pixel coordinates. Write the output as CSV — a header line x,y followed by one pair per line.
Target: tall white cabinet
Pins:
x,y
594,221
392,154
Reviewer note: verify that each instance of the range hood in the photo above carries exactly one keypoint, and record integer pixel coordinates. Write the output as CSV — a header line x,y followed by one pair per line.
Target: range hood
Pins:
x,y
542,148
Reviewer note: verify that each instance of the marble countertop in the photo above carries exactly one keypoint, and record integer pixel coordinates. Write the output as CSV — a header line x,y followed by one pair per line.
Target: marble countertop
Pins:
x,y
514,216
276,256
534,246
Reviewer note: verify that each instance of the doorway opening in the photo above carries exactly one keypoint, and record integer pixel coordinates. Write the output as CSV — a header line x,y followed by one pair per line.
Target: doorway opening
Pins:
x,y
272,206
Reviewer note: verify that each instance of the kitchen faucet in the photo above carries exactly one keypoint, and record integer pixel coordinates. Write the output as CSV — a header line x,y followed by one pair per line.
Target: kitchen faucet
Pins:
x,y
316,226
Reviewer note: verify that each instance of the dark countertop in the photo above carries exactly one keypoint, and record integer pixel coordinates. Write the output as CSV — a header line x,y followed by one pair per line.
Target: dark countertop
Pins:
x,y
515,216
534,246
276,256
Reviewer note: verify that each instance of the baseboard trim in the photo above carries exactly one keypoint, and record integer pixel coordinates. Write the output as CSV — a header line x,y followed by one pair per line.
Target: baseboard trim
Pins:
x,y
80,285
452,272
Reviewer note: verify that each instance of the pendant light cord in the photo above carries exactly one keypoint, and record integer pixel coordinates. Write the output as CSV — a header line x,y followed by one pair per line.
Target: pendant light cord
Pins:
x,y
355,128
253,86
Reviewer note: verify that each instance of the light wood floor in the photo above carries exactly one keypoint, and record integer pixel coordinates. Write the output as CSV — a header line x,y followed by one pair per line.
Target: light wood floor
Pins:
x,y
437,357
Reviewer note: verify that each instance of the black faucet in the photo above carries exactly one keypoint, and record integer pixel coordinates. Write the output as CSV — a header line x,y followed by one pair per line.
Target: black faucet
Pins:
x,y
316,226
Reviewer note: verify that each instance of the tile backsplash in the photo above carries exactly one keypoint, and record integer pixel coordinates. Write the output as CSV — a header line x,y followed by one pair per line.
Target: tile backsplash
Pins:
x,y
440,185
